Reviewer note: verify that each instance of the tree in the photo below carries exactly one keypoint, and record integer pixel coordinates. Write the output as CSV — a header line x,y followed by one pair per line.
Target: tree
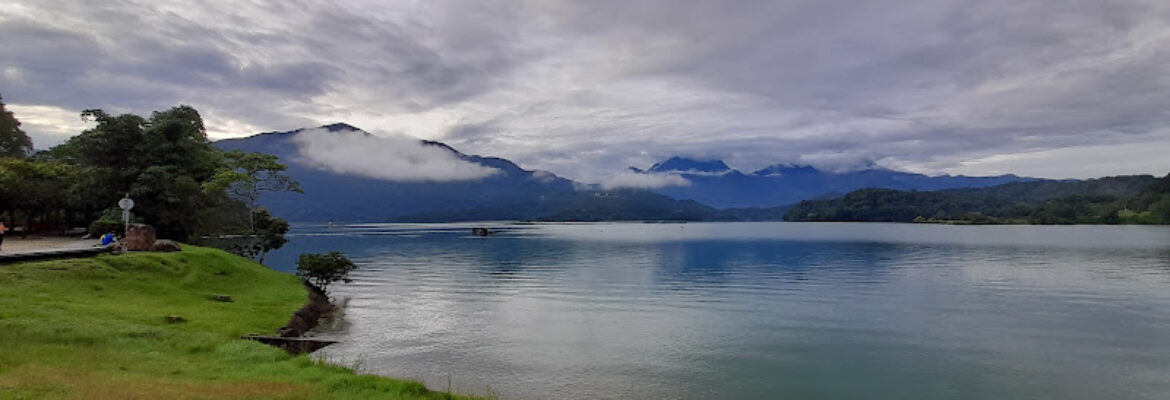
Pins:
x,y
13,141
248,175
269,236
270,232
324,269
35,191
163,162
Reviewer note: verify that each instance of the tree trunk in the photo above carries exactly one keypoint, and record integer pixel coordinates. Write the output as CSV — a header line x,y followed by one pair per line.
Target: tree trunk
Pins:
x,y
252,217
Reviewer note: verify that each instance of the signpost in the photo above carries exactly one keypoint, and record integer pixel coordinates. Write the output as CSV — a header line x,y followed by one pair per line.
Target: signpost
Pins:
x,y
126,204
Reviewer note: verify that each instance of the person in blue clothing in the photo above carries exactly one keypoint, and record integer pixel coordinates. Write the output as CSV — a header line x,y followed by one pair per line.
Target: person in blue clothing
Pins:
x,y
108,239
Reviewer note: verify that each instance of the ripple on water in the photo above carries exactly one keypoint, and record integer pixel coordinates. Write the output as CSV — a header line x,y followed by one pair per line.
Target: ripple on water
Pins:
x,y
762,310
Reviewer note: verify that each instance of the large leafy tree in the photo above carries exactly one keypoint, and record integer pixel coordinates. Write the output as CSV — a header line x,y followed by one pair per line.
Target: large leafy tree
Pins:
x,y
13,141
162,162
181,184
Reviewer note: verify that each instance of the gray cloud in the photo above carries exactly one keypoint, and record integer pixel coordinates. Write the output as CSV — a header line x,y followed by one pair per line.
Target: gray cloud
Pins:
x,y
634,180
587,88
394,158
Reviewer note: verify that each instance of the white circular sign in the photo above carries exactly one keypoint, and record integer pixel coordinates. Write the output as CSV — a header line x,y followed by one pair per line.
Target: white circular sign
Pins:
x,y
126,203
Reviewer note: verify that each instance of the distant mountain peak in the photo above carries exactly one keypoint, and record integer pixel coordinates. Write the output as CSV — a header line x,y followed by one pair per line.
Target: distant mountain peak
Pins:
x,y
441,145
787,169
685,165
341,126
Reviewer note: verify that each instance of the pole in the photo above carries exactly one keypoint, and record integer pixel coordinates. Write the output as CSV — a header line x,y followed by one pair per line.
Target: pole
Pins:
x,y
126,204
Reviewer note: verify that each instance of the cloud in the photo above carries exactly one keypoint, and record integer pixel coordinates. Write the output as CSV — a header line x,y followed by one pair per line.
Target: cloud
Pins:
x,y
635,180
1141,158
587,88
49,126
395,158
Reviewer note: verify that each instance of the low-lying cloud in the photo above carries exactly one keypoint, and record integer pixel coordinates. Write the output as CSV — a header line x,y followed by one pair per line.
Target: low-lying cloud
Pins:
x,y
394,158
635,180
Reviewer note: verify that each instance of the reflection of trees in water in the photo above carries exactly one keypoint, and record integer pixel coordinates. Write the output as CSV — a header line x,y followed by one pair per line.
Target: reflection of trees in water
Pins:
x,y
496,257
691,265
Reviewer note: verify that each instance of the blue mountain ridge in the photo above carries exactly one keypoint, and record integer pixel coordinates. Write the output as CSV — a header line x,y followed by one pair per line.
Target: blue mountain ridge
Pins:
x,y
512,194
714,184
519,194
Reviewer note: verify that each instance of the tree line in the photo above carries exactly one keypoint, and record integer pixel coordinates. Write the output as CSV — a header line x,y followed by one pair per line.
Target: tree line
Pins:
x,y
181,184
1139,199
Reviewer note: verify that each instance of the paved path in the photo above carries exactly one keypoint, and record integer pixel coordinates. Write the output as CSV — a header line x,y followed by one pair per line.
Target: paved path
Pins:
x,y
46,247
65,252
14,244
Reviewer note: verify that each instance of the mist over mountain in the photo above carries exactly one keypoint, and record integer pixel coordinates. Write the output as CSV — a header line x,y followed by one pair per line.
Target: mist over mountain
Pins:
x,y
713,183
350,175
363,177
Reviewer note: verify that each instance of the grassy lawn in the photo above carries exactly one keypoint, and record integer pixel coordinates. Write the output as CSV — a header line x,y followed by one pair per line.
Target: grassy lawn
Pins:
x,y
97,328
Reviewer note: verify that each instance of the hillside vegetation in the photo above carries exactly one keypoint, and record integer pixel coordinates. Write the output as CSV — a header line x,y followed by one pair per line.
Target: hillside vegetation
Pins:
x,y
98,328
1140,199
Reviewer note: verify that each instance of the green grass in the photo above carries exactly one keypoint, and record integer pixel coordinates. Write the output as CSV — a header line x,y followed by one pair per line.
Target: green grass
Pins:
x,y
97,328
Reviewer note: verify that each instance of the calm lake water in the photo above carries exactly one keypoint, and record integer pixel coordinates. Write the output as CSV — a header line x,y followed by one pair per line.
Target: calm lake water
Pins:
x,y
757,310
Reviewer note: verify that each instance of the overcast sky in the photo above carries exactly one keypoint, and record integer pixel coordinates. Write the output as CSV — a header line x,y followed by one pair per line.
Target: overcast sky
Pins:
x,y
585,88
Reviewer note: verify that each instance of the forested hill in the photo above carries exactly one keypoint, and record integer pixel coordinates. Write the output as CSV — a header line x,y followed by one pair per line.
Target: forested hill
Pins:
x,y
1110,200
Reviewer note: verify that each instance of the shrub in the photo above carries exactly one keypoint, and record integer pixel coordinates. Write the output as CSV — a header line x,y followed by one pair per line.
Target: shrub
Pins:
x,y
324,269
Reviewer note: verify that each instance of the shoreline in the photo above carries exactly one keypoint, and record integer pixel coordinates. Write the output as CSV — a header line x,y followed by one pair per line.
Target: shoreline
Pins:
x,y
148,325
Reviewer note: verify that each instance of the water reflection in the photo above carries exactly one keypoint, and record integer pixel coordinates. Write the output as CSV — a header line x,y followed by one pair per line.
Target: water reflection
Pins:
x,y
706,311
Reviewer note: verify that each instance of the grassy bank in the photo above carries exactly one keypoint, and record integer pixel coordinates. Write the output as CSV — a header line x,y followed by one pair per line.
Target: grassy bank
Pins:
x,y
97,328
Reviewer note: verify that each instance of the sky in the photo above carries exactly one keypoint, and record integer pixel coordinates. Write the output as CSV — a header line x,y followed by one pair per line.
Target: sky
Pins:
x,y
1057,89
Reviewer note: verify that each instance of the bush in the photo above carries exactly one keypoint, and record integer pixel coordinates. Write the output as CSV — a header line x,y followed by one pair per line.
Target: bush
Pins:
x,y
324,269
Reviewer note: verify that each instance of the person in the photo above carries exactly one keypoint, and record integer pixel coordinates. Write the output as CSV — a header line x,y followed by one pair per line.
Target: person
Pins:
x,y
3,230
108,239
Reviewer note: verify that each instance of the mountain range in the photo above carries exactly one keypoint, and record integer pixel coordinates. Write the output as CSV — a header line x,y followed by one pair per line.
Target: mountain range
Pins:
x,y
509,192
715,184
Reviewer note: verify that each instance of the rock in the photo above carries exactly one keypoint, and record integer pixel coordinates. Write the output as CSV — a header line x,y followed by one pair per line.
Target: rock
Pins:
x,y
222,298
175,319
165,246
139,237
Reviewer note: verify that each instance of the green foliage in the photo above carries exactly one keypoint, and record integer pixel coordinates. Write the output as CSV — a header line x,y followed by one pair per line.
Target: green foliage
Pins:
x,y
95,328
13,141
165,163
161,162
111,222
181,184
35,192
324,269
1113,200
246,176
270,231
269,236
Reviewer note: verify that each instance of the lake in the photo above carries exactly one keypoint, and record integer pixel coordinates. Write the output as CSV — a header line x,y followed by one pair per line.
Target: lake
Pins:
x,y
756,310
